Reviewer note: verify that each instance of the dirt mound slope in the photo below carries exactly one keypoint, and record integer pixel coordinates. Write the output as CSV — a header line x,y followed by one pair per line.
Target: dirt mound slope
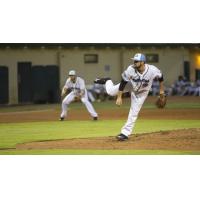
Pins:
x,y
184,140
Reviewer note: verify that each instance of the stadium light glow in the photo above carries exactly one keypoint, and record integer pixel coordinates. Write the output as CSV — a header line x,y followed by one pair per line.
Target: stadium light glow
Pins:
x,y
198,62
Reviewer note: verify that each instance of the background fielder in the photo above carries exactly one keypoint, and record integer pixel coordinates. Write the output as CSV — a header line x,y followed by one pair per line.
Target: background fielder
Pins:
x,y
137,79
76,86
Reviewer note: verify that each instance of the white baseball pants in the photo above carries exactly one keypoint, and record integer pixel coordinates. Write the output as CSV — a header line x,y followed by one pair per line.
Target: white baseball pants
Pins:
x,y
136,104
70,97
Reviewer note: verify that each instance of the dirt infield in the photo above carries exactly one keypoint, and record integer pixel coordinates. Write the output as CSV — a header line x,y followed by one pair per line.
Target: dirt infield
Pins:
x,y
184,140
52,115
82,114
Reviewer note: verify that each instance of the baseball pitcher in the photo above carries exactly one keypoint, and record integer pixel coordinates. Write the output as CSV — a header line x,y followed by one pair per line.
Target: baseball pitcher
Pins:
x,y
136,79
77,91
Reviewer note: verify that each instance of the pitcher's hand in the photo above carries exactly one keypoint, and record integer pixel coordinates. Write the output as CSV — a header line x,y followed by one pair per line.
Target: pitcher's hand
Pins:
x,y
119,101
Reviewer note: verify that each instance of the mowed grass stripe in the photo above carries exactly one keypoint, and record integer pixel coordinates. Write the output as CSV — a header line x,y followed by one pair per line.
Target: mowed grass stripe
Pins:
x,y
95,152
14,133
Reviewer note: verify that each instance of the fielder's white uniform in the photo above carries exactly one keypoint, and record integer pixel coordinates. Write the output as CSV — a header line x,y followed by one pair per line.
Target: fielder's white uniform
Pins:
x,y
139,86
76,89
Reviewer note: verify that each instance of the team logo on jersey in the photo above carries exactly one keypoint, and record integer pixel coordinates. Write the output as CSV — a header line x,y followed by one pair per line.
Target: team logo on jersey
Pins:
x,y
144,82
140,80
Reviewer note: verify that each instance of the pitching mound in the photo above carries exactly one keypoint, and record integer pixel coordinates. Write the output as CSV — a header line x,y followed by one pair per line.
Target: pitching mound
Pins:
x,y
184,140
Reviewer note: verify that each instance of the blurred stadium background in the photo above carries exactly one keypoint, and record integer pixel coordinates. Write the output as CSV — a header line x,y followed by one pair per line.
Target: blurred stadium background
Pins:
x,y
35,73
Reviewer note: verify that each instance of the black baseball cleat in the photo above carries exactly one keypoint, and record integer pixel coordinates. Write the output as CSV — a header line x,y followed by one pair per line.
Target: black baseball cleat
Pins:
x,y
61,119
95,118
121,137
101,80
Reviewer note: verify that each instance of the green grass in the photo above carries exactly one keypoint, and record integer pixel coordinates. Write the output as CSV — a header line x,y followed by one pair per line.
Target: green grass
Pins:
x,y
14,133
103,105
34,107
176,106
95,152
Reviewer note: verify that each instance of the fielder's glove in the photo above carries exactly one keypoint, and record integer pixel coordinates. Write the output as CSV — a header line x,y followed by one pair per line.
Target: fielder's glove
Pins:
x,y
77,98
161,101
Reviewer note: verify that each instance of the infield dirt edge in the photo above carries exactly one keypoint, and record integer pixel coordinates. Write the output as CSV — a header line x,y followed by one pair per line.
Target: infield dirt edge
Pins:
x,y
183,139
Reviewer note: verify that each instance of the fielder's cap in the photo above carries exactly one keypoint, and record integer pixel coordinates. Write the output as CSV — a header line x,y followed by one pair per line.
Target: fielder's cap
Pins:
x,y
72,73
139,57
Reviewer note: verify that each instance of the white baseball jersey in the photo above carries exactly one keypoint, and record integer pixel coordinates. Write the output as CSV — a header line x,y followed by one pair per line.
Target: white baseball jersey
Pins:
x,y
139,86
76,87
141,82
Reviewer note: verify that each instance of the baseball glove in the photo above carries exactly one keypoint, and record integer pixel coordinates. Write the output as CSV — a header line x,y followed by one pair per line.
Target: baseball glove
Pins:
x,y
161,101
77,98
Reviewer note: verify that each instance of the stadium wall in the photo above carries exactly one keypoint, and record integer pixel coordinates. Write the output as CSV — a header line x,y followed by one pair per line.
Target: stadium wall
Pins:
x,y
111,62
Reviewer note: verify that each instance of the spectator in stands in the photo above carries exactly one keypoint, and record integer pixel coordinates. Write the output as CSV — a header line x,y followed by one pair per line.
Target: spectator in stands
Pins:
x,y
179,86
99,92
155,87
197,88
191,88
